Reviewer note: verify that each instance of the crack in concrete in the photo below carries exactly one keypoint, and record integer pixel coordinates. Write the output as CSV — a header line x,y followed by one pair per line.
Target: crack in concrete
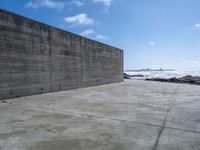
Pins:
x,y
186,130
162,128
128,121
108,118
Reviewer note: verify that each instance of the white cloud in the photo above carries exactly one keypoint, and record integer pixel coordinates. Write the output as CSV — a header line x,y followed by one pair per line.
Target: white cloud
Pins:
x,y
197,26
88,32
101,37
92,34
45,3
106,4
81,19
77,3
152,43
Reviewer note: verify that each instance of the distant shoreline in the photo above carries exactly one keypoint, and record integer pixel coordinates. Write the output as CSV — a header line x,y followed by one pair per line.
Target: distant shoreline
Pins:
x,y
188,79
140,70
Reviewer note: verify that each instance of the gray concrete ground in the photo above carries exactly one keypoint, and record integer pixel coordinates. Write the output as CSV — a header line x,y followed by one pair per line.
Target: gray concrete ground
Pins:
x,y
133,115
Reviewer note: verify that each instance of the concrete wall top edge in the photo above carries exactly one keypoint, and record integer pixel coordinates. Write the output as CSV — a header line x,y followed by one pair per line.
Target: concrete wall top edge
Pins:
x,y
58,29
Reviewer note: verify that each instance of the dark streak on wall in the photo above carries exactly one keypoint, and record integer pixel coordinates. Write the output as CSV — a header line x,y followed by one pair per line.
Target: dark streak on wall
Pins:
x,y
37,58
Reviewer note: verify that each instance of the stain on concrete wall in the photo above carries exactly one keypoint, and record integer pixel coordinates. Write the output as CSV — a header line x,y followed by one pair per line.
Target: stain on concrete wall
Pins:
x,y
37,58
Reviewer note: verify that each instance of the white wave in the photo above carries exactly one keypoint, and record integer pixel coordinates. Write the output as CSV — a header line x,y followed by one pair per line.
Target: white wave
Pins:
x,y
163,74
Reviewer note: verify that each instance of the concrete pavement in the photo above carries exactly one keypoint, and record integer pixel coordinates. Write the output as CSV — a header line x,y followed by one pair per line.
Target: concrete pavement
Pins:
x,y
132,115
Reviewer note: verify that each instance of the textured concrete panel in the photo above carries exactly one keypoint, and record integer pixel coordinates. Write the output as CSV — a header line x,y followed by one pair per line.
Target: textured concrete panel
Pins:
x,y
37,58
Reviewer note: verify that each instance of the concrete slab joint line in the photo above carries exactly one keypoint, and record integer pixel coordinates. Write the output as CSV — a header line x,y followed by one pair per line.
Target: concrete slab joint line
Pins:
x,y
162,128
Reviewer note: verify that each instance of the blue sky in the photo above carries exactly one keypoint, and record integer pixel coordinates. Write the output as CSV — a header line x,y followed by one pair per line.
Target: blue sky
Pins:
x,y
152,33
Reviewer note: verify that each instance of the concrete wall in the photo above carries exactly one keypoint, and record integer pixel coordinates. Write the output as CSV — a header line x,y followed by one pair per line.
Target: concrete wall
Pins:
x,y
37,58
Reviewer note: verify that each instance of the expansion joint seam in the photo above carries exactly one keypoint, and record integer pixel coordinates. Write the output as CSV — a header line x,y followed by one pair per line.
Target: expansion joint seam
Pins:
x,y
161,130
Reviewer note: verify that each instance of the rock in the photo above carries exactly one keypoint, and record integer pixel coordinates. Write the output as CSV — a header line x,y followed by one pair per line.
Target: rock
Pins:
x,y
197,82
137,75
186,79
127,76
3,101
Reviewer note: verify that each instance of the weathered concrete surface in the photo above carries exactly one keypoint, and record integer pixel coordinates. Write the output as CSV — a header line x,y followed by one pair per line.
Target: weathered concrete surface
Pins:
x,y
133,115
37,58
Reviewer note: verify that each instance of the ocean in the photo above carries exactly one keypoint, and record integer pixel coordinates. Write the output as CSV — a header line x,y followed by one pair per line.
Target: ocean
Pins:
x,y
163,74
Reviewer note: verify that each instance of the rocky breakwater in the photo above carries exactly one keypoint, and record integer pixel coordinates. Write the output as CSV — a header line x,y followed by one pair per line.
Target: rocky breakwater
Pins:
x,y
127,76
186,79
